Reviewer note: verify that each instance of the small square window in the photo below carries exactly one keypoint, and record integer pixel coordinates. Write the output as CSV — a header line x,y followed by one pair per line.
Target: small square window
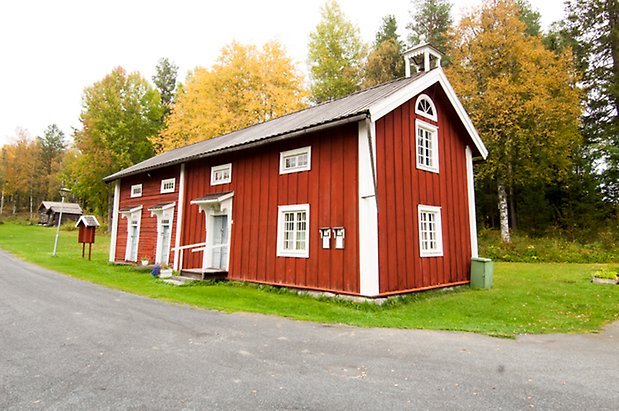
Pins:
x,y
136,190
168,185
221,174
293,231
426,143
430,231
293,161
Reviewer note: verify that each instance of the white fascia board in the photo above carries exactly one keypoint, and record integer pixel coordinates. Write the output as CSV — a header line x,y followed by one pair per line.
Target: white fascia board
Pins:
x,y
126,213
214,200
159,211
437,75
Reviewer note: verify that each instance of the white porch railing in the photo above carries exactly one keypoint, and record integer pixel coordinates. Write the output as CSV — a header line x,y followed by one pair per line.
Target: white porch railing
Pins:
x,y
194,249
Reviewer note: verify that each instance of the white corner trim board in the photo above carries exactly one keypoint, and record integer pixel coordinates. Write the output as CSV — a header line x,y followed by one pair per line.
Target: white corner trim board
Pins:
x,y
179,216
368,212
470,185
114,233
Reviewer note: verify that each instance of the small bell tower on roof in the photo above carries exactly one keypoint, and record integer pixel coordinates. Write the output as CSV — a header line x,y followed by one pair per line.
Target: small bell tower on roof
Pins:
x,y
424,57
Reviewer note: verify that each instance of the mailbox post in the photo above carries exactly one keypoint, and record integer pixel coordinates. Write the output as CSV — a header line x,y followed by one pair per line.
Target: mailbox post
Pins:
x,y
87,225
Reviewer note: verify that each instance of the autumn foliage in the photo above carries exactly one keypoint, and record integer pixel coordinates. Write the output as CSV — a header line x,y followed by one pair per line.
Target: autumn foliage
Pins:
x,y
521,97
246,86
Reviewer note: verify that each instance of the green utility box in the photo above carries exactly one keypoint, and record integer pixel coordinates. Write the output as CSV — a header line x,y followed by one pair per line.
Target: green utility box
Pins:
x,y
481,272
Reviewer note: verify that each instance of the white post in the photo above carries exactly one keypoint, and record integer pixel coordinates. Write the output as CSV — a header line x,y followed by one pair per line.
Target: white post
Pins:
x,y
368,213
58,227
470,182
114,228
179,220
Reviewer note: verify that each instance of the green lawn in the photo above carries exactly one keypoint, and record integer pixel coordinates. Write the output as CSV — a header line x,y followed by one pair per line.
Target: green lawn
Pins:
x,y
526,298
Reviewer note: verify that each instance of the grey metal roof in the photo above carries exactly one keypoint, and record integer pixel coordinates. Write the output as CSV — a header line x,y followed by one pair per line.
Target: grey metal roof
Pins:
x,y
346,108
67,208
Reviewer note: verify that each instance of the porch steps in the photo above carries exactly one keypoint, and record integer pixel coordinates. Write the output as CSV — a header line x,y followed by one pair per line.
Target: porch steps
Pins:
x,y
204,274
179,280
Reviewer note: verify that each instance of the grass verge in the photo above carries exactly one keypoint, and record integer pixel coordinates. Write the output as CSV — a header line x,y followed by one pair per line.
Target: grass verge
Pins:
x,y
526,298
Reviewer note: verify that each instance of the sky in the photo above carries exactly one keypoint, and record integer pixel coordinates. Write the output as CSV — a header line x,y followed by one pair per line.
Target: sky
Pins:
x,y
51,50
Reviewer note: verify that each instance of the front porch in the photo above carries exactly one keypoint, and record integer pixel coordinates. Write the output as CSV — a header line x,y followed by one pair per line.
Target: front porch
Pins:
x,y
204,273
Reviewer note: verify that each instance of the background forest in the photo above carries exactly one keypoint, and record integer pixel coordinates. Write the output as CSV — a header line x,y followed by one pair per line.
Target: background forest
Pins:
x,y
546,105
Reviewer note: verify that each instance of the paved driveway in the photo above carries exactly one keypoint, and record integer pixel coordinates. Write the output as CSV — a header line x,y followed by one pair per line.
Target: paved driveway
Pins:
x,y
68,344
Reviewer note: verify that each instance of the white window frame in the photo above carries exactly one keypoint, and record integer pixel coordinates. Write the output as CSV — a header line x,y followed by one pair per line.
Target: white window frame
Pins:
x,y
220,168
295,153
134,214
165,182
133,191
433,130
424,97
438,231
281,211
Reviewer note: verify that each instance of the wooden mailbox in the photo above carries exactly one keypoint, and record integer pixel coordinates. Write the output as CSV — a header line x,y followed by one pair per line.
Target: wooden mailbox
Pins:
x,y
87,225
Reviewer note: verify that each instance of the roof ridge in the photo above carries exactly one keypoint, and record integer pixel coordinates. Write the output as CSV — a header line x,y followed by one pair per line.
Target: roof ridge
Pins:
x,y
295,112
312,116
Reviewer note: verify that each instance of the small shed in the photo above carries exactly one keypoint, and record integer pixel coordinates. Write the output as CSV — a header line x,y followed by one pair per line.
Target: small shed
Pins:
x,y
49,211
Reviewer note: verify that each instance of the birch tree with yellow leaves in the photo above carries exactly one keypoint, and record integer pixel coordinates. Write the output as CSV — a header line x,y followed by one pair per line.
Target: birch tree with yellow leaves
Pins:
x,y
246,86
522,98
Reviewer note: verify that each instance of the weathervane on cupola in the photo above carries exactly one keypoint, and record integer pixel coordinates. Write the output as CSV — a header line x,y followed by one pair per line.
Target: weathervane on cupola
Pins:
x,y
424,57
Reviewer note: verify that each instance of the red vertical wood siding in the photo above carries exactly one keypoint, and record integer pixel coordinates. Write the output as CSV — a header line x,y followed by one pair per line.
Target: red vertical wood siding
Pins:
x,y
330,187
402,187
151,195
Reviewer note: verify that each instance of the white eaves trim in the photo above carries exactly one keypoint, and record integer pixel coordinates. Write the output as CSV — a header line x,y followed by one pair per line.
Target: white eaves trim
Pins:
x,y
437,75
131,210
214,200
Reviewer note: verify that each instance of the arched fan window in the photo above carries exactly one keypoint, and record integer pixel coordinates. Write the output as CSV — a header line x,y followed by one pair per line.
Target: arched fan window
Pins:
x,y
425,107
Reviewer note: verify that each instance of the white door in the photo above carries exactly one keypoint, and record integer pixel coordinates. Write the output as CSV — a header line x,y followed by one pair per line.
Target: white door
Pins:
x,y
164,242
220,242
133,241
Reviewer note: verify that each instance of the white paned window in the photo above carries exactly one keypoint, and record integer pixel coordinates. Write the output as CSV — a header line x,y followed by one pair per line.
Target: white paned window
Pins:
x,y
427,146
168,185
296,160
221,174
430,231
293,231
425,107
136,190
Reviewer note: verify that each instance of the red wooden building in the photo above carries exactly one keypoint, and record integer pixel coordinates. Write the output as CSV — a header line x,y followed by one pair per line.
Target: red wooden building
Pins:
x,y
369,195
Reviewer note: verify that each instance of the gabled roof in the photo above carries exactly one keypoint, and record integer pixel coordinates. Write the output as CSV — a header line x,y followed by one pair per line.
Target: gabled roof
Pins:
x,y
161,206
370,103
67,208
88,221
213,198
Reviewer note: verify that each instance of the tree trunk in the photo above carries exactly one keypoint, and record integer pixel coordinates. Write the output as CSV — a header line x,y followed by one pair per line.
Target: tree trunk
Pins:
x,y
613,19
2,202
512,208
503,213
31,203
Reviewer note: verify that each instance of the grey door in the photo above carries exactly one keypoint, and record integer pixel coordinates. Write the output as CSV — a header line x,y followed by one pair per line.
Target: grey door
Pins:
x,y
133,252
165,241
220,242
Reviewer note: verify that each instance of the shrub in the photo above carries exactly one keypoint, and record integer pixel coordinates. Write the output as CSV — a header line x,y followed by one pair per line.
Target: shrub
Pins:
x,y
554,247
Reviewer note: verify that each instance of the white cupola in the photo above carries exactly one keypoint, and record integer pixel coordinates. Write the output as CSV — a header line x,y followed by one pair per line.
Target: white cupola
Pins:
x,y
424,57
